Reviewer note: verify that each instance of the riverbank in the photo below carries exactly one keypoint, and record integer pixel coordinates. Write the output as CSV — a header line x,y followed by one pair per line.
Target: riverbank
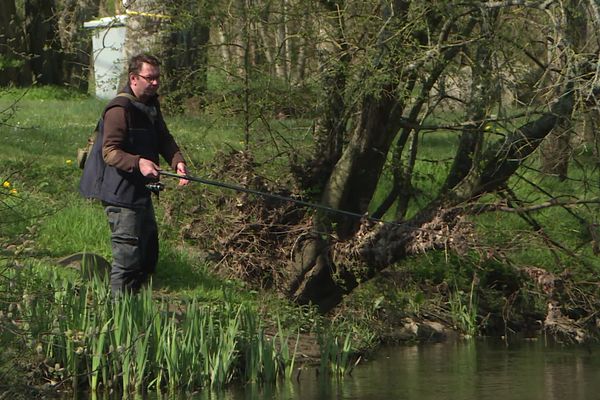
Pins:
x,y
218,249
62,329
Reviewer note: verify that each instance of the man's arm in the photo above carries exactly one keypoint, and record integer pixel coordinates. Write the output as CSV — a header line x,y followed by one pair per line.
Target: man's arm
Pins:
x,y
115,134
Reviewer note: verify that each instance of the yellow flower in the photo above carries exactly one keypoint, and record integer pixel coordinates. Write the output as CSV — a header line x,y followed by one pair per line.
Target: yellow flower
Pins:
x,y
488,127
6,184
13,191
69,162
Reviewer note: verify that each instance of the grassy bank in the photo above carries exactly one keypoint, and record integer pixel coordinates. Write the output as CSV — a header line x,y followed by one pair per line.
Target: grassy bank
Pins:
x,y
196,330
480,289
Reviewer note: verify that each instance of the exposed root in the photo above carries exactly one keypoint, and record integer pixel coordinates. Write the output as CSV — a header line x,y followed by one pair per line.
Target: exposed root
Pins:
x,y
256,239
254,234
571,314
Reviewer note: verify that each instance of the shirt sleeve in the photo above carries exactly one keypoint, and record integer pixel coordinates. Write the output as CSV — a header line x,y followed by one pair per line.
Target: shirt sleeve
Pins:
x,y
115,133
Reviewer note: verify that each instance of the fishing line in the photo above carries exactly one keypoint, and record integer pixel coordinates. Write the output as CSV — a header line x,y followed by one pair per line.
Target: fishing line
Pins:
x,y
302,203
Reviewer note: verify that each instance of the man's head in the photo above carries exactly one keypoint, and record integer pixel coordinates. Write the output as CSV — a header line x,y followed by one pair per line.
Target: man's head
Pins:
x,y
144,76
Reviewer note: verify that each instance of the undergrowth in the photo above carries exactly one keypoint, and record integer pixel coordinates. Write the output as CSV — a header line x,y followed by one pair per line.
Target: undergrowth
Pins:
x,y
501,282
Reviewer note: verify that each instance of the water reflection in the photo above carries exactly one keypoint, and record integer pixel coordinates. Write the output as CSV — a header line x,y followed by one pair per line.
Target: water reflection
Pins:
x,y
463,370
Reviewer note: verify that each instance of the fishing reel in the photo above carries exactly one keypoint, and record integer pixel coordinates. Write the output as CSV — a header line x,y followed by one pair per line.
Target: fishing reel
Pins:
x,y
155,187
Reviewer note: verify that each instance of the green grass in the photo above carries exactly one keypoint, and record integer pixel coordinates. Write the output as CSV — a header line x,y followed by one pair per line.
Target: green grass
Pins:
x,y
45,219
81,227
504,242
135,343
49,124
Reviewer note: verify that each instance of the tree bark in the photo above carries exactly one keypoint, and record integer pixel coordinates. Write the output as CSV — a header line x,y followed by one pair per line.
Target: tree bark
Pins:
x,y
147,18
74,40
14,65
356,174
330,131
557,149
350,185
336,270
44,47
185,55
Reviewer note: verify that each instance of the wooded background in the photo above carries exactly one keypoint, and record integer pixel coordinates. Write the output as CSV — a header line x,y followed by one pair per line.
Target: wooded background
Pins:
x,y
511,79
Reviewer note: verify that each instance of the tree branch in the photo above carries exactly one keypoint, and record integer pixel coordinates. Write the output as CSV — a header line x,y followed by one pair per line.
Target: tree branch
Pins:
x,y
484,208
541,4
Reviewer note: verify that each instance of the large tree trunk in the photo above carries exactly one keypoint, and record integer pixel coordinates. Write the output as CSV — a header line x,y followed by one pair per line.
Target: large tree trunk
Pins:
x,y
146,20
14,66
350,188
351,183
330,130
74,40
44,47
185,54
557,149
325,273
355,176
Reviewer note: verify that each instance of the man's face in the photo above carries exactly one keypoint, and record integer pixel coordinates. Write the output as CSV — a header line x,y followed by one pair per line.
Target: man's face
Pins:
x,y
145,83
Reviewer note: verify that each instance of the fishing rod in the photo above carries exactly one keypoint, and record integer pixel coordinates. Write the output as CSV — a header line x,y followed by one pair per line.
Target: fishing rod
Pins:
x,y
239,188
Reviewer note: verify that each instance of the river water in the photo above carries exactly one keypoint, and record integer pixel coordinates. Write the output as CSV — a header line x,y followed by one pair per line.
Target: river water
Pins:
x,y
461,370
477,369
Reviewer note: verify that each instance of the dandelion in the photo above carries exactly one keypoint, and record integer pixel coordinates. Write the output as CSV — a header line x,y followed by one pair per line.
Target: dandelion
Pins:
x,y
69,162
13,191
6,184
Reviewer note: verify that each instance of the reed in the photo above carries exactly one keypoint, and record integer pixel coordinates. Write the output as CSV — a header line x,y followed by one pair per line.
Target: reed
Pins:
x,y
133,343
98,356
464,311
288,357
336,354
267,358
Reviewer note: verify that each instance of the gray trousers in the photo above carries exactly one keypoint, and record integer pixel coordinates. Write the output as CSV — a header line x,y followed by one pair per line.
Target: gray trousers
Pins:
x,y
134,239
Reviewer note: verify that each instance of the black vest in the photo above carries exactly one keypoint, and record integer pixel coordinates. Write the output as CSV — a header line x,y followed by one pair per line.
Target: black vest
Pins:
x,y
112,185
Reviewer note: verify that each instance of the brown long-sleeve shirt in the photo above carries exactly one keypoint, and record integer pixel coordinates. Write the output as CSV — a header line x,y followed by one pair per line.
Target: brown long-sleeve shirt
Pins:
x,y
115,136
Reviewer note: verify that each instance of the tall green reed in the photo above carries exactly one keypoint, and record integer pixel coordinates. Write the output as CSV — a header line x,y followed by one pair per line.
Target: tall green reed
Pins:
x,y
337,353
464,312
133,343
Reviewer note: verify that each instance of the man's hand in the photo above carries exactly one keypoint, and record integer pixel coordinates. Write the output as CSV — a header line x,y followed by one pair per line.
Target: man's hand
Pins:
x,y
148,168
182,170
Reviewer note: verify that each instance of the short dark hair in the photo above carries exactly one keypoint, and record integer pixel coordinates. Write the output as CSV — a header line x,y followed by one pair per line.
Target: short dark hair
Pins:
x,y
135,62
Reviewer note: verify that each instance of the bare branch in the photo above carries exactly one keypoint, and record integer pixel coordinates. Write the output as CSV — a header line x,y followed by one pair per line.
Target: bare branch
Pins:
x,y
540,4
483,208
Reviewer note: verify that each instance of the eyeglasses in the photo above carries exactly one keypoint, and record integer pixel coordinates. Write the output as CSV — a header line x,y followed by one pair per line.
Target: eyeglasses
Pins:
x,y
149,79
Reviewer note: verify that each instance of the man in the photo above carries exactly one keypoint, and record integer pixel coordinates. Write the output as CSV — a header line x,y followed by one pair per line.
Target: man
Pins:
x,y
119,169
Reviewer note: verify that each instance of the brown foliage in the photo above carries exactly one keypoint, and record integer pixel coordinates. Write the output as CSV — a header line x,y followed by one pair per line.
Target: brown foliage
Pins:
x,y
252,237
